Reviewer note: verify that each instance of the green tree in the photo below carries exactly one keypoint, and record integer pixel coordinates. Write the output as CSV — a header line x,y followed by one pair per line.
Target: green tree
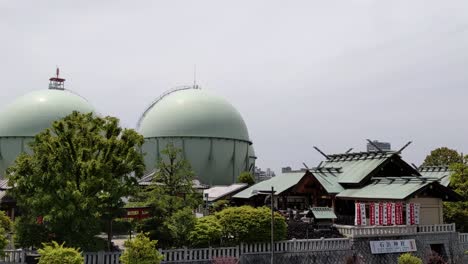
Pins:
x,y
246,177
220,205
5,228
76,176
408,258
207,232
181,223
141,250
5,222
248,224
172,191
457,212
28,233
442,157
54,253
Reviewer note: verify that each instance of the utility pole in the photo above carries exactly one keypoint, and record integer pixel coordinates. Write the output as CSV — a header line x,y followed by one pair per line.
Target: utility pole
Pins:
x,y
272,227
272,242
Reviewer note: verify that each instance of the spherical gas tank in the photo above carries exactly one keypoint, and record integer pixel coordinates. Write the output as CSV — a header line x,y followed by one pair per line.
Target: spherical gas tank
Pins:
x,y
30,114
210,132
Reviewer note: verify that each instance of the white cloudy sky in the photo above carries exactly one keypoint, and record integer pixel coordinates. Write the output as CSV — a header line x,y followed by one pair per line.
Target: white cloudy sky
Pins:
x,y
302,73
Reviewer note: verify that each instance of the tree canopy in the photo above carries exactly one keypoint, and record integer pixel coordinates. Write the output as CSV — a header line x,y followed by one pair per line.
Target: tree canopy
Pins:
x,y
171,198
246,177
457,212
76,176
442,157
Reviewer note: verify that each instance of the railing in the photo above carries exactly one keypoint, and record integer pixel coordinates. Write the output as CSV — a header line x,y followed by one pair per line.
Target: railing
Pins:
x,y
463,237
101,257
443,228
300,245
200,254
13,257
375,231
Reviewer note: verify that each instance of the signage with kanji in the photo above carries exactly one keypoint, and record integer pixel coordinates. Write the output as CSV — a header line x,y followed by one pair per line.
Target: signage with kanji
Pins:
x,y
392,246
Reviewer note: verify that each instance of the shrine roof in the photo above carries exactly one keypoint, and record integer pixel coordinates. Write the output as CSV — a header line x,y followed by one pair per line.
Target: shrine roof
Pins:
x,y
280,183
397,188
442,173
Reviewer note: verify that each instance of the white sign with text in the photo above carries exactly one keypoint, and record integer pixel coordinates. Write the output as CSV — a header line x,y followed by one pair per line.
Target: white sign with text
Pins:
x,y
392,246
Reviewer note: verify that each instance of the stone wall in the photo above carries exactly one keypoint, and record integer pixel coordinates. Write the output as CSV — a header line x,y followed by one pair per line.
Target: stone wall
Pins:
x,y
450,245
322,257
452,250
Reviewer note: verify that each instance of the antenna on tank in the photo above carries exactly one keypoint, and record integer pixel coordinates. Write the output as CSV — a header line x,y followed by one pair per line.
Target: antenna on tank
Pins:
x,y
56,82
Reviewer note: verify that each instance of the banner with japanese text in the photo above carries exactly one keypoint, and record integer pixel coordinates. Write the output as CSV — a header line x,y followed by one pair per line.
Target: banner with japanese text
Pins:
x,y
360,214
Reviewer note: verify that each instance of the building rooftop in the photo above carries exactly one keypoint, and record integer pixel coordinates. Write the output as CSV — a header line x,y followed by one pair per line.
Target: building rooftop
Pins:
x,y
219,192
442,173
280,183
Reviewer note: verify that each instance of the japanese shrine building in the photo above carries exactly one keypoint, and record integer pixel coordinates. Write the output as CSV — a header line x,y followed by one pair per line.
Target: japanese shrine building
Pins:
x,y
364,179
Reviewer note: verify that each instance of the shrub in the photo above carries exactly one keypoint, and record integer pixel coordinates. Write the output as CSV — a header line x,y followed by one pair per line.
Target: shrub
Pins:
x,y
54,253
141,250
248,224
207,232
408,258
180,224
435,258
220,205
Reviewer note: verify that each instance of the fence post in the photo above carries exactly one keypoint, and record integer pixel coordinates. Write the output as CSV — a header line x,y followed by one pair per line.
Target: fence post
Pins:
x,y
101,257
23,256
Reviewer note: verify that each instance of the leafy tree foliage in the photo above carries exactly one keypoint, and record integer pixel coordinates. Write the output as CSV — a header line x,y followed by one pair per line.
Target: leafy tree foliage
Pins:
x,y
220,205
248,224
408,258
174,174
5,222
28,233
180,224
141,250
171,197
239,224
207,232
246,177
76,176
54,253
442,157
5,228
457,212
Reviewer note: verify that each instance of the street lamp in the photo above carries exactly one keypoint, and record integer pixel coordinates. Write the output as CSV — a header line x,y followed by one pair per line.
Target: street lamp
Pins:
x,y
271,193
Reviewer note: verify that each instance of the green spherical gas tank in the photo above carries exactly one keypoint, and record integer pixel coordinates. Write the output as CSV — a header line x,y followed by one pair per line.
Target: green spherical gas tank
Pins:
x,y
209,130
30,114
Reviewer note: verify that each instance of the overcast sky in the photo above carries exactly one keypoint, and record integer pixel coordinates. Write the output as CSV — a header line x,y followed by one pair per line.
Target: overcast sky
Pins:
x,y
301,73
